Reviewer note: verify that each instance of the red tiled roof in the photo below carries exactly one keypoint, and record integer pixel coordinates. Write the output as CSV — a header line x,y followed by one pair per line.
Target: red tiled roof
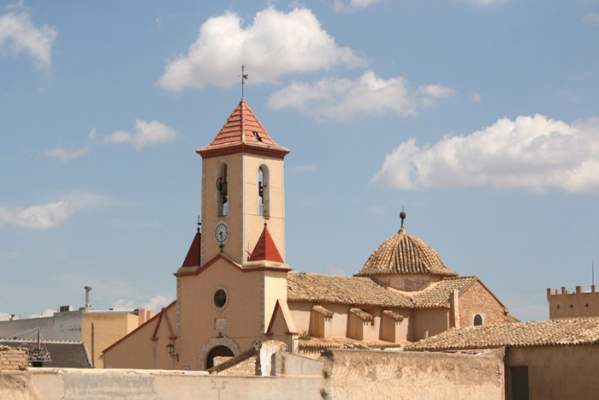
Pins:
x,y
192,259
266,249
242,130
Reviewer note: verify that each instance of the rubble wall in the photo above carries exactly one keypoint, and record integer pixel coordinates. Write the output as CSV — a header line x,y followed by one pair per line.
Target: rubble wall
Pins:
x,y
355,375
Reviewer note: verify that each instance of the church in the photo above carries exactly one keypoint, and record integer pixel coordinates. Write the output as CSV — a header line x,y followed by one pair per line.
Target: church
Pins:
x,y
235,288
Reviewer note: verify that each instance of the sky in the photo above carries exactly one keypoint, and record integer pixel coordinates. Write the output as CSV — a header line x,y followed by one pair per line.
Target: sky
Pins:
x,y
479,117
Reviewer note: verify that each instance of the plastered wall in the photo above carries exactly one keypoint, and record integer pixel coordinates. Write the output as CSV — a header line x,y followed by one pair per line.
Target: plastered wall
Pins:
x,y
371,375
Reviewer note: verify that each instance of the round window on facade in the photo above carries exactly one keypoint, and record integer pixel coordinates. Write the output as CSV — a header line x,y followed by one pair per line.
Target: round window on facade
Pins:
x,y
220,298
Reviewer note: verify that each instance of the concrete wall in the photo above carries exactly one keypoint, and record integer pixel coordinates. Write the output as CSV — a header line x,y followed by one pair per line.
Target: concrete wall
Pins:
x,y
571,305
76,384
413,376
559,372
429,322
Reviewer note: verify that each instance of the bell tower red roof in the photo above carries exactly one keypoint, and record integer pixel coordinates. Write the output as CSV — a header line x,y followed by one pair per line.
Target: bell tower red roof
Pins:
x,y
242,132
265,249
192,259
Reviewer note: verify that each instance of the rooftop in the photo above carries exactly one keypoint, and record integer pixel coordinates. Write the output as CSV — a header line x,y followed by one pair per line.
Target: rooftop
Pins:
x,y
573,331
242,130
404,254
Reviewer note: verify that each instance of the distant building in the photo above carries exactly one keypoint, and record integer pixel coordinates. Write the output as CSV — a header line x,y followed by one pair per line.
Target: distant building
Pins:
x,y
94,328
549,360
565,304
235,288
62,354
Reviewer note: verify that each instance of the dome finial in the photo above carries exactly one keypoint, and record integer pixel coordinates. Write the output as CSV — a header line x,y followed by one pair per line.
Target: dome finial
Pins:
x,y
402,216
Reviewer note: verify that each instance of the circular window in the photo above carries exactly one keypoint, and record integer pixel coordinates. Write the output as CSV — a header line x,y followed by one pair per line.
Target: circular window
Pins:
x,y
220,298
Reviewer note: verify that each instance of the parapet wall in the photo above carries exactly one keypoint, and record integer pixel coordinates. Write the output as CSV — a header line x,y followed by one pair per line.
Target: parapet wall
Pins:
x,y
566,304
355,375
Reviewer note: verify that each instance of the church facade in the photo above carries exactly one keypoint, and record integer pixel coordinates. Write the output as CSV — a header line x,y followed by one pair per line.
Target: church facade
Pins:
x,y
234,287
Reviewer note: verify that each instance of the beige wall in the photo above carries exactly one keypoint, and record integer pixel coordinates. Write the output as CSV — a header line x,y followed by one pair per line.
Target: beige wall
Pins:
x,y
477,300
407,282
429,322
76,384
108,328
413,376
559,372
572,305
244,222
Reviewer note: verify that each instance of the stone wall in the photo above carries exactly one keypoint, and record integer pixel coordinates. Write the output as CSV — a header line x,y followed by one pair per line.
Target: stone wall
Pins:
x,y
355,374
12,359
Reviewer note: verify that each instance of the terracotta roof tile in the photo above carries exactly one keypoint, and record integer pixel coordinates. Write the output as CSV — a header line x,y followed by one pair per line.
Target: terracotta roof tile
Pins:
x,y
342,290
574,331
439,293
404,254
315,344
242,128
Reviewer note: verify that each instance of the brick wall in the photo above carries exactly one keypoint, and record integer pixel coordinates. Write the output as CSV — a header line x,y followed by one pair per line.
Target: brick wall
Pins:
x,y
12,359
477,300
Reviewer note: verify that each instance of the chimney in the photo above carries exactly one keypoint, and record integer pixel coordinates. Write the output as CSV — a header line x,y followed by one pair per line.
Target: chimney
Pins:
x,y
87,290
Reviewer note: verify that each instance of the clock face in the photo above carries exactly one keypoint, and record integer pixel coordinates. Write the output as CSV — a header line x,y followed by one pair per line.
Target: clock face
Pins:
x,y
221,233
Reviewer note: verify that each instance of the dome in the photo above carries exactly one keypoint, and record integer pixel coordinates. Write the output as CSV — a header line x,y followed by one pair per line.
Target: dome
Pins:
x,y
404,254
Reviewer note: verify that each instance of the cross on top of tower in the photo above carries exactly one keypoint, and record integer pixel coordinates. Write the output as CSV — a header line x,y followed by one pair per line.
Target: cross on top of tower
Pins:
x,y
244,77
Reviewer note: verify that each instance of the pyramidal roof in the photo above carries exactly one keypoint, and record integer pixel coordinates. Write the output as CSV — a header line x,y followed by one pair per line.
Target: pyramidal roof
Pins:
x,y
404,254
242,131
192,259
265,249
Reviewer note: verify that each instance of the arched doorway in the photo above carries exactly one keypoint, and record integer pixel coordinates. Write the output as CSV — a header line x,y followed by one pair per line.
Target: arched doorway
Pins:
x,y
218,351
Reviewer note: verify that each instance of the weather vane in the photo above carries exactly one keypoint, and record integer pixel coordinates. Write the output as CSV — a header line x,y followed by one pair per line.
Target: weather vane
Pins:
x,y
244,77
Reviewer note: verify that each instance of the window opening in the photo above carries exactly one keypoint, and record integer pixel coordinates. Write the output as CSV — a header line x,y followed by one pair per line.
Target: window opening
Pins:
x,y
220,298
257,136
263,191
478,320
223,191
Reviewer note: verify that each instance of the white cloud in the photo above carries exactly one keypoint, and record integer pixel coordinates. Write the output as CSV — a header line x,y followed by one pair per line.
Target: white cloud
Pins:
x,y
157,302
274,44
476,97
4,316
341,99
147,133
17,29
63,154
49,215
348,5
123,305
592,19
531,152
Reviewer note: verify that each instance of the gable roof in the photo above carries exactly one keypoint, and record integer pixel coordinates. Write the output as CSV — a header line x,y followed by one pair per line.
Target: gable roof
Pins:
x,y
242,131
404,254
342,290
281,310
265,249
558,332
192,259
439,293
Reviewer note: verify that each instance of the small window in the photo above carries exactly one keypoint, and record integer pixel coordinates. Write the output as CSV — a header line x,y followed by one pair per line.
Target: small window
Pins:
x,y
257,136
220,298
478,320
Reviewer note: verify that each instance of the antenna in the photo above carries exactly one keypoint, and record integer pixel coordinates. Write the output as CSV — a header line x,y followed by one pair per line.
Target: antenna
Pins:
x,y
593,272
244,77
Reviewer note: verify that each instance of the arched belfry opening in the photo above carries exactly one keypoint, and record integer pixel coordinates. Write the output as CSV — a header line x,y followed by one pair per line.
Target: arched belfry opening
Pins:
x,y
218,351
222,188
263,191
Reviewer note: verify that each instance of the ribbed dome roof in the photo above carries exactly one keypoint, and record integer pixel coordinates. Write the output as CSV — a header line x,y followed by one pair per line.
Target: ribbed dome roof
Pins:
x,y
405,254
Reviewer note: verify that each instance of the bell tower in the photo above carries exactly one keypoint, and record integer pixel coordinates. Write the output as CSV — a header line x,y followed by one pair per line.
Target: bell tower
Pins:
x,y
243,190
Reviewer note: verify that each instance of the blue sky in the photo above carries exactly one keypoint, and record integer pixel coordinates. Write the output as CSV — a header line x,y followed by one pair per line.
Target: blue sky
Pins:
x,y
479,117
